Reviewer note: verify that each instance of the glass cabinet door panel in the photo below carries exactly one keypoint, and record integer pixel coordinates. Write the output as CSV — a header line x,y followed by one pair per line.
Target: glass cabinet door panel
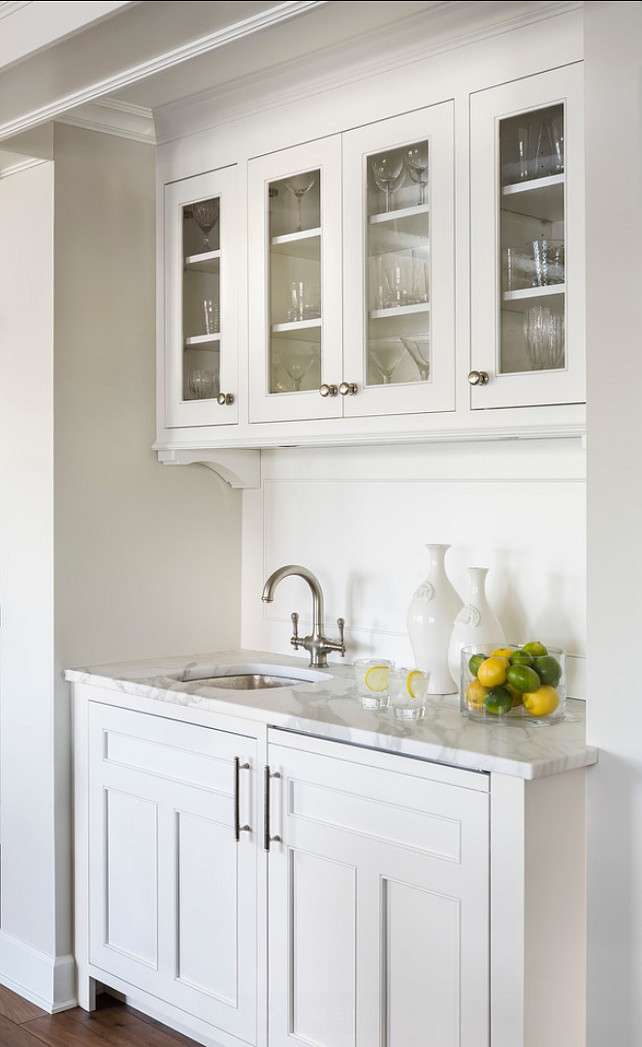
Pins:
x,y
295,282
201,315
398,199
527,241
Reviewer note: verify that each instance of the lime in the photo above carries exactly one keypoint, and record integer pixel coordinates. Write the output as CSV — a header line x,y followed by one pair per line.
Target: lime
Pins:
x,y
535,648
522,678
548,669
492,671
474,662
515,695
521,657
376,679
541,702
475,694
498,701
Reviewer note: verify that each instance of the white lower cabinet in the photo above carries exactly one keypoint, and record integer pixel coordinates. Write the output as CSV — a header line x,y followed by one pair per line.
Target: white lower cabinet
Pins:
x,y
252,885
378,900
172,882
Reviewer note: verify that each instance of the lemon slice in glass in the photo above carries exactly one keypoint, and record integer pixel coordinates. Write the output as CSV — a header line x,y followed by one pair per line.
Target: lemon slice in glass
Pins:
x,y
417,684
377,678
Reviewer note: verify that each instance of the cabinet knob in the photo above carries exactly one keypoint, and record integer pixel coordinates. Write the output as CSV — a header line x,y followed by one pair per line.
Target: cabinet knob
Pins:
x,y
224,398
478,378
348,388
328,390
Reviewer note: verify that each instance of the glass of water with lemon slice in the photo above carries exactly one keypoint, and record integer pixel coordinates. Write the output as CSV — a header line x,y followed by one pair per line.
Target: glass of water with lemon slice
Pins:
x,y
408,692
372,676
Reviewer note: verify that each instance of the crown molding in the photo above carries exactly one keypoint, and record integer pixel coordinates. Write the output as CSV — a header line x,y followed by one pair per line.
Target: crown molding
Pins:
x,y
448,25
204,45
109,116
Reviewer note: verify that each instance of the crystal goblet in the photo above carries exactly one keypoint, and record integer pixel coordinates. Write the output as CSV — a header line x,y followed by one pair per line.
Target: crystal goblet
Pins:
x,y
386,170
385,354
299,185
419,350
205,214
416,161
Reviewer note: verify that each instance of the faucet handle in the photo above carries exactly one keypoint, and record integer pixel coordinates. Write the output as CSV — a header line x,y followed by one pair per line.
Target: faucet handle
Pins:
x,y
294,640
340,623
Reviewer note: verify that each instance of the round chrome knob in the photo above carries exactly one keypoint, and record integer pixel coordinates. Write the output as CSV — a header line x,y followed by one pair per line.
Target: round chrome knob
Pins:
x,y
328,390
478,378
348,388
224,398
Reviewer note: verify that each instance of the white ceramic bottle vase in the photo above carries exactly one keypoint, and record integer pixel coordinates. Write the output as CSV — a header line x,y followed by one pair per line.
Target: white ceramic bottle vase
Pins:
x,y
476,623
431,614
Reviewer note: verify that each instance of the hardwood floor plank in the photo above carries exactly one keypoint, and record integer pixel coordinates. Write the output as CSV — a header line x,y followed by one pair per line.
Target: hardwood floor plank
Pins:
x,y
63,1030
16,1009
124,1026
12,1035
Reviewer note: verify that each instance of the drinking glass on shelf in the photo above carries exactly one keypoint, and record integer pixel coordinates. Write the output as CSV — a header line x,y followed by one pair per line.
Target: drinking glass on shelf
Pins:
x,y
202,385
304,301
385,354
525,150
548,257
386,170
416,161
418,347
299,185
398,282
205,213
297,361
557,134
544,338
210,311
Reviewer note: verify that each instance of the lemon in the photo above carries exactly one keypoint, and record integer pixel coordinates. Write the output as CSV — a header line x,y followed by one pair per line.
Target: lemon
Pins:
x,y
502,652
521,657
417,684
515,694
475,694
376,678
492,672
541,702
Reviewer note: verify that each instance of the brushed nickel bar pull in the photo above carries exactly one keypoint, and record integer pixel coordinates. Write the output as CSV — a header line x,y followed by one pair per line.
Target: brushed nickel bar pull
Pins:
x,y
267,839
238,828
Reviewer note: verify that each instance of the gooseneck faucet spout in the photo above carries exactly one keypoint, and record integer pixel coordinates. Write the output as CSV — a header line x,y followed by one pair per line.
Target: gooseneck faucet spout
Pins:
x,y
316,644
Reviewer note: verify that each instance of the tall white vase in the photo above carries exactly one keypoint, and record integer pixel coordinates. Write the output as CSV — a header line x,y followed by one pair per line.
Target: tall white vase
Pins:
x,y
431,614
476,623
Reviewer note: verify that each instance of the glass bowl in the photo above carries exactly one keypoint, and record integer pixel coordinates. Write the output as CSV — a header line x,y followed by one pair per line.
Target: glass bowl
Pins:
x,y
502,692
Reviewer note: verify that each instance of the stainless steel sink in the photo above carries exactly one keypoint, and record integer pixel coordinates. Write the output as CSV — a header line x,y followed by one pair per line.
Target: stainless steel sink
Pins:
x,y
251,677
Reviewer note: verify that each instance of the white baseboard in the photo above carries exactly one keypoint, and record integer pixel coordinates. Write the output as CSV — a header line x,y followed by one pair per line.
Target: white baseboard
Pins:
x,y
47,981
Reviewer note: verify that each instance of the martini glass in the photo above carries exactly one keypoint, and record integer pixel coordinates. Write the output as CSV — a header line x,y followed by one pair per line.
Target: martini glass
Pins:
x,y
419,349
297,362
205,214
386,170
416,160
299,185
385,354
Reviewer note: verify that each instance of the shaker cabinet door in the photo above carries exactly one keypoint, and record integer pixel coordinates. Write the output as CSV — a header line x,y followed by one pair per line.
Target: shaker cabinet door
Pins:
x,y
172,891
527,242
378,903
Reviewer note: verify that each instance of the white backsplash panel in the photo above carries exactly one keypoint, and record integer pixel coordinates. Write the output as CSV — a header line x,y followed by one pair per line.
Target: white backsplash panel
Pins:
x,y
360,518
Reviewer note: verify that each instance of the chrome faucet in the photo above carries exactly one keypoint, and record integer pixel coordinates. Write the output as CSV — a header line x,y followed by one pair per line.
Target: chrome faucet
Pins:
x,y
317,645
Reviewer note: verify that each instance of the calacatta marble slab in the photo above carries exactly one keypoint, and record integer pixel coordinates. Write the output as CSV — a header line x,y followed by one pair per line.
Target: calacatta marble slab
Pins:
x,y
330,709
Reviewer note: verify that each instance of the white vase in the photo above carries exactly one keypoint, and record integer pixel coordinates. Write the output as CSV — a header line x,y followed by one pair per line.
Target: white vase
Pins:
x,y
431,614
476,623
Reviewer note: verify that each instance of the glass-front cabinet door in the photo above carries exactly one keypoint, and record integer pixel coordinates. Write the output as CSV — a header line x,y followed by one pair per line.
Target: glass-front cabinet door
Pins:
x,y
295,282
527,242
200,295
398,310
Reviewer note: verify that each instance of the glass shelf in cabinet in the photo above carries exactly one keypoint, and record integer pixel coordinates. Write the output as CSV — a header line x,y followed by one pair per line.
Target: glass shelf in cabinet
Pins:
x,y
515,299
203,341
292,328
382,217
306,244
541,198
399,310
207,262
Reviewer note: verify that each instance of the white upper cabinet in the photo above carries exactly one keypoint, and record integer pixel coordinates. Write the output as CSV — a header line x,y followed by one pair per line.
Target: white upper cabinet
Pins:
x,y
201,310
527,242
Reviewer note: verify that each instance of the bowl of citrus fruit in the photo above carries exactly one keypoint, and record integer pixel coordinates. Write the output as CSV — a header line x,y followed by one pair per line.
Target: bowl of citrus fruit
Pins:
x,y
513,685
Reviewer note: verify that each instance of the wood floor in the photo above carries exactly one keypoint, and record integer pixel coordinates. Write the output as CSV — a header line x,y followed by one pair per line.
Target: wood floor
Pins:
x,y
22,1024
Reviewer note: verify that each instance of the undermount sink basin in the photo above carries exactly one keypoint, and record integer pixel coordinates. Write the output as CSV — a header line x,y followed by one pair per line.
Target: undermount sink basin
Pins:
x,y
252,677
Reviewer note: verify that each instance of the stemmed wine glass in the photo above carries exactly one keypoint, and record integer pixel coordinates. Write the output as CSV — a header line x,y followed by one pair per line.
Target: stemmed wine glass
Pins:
x,y
386,169
419,349
297,362
299,185
205,214
385,354
416,160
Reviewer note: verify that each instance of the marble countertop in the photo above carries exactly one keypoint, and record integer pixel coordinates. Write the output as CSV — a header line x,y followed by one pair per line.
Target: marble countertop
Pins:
x,y
330,709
